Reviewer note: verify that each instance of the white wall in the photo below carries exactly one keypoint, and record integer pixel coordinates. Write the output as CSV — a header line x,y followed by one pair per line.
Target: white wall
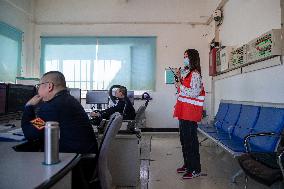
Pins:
x,y
172,40
243,21
19,14
90,11
59,18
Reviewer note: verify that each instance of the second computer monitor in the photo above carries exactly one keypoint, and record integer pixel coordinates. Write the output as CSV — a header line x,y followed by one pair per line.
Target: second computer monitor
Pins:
x,y
18,95
97,97
76,93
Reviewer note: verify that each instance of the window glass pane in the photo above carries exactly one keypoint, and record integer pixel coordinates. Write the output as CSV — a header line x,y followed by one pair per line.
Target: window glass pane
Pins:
x,y
68,69
8,59
78,85
70,84
52,65
10,52
77,70
88,85
85,70
115,61
100,62
84,85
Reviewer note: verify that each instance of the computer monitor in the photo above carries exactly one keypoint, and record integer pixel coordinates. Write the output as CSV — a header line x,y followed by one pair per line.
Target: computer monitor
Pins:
x,y
3,90
18,95
76,93
130,95
97,97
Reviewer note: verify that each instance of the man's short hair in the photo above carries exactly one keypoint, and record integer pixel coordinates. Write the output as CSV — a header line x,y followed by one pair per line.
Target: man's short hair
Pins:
x,y
56,77
123,90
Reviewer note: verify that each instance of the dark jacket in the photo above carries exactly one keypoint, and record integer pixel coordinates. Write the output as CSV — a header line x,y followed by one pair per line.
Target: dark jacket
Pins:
x,y
76,132
123,106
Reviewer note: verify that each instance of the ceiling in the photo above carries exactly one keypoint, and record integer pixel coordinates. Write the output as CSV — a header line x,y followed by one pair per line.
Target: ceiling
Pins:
x,y
125,11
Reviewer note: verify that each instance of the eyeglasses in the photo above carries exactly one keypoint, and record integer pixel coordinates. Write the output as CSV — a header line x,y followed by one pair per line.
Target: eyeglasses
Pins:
x,y
38,85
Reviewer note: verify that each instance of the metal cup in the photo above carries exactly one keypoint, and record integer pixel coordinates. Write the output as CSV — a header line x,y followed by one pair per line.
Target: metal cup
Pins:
x,y
51,143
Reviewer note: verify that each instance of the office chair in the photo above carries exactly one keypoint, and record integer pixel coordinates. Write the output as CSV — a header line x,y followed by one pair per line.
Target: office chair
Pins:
x,y
133,126
102,170
139,119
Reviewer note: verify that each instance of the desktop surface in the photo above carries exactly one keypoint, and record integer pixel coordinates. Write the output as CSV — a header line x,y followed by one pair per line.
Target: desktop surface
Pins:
x,y
25,169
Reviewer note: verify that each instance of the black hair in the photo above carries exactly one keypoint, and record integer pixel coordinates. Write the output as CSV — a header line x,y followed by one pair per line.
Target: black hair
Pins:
x,y
123,90
56,77
194,60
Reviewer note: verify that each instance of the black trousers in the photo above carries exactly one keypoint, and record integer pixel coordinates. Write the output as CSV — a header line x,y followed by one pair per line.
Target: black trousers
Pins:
x,y
190,145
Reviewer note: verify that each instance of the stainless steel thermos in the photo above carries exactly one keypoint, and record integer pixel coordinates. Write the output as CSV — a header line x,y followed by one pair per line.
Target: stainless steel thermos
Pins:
x,y
51,142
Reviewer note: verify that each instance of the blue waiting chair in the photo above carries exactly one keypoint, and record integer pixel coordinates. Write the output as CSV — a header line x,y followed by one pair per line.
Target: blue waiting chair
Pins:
x,y
264,157
220,116
244,125
247,120
264,135
229,122
269,126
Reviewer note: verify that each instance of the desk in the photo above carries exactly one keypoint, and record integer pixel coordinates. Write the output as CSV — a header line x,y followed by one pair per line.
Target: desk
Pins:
x,y
124,160
25,169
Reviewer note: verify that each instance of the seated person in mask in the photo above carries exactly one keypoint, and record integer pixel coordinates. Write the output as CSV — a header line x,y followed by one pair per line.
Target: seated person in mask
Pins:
x,y
123,106
54,103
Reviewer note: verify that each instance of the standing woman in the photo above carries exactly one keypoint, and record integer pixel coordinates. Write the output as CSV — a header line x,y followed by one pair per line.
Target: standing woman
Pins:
x,y
188,110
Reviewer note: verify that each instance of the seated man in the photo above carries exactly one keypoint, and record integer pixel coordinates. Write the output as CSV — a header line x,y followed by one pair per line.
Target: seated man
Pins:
x,y
123,106
54,103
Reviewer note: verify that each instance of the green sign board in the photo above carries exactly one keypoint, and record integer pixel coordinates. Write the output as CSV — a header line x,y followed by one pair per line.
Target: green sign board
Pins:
x,y
169,77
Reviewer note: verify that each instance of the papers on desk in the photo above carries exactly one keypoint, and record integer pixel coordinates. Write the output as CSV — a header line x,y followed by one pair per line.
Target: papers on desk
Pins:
x,y
17,131
4,127
11,137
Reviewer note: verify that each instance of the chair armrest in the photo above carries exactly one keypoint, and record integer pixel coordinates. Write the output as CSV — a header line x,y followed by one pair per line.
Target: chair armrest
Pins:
x,y
87,156
128,121
246,141
230,130
215,123
280,162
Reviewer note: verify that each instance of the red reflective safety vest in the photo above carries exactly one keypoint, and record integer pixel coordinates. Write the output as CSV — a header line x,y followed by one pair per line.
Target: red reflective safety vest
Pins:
x,y
188,108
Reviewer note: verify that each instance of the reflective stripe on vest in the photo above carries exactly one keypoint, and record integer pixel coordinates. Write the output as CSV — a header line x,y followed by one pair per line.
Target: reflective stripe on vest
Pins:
x,y
194,101
198,98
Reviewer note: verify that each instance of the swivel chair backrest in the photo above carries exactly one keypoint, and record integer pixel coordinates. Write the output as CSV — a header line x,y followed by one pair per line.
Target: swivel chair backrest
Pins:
x,y
147,97
112,129
140,115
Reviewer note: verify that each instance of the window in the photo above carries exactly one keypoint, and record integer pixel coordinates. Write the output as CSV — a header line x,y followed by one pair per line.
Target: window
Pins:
x,y
10,52
92,63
